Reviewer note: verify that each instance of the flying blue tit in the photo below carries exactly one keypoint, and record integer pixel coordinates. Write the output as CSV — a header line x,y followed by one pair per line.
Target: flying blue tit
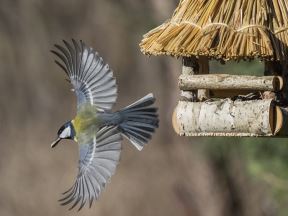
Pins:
x,y
97,130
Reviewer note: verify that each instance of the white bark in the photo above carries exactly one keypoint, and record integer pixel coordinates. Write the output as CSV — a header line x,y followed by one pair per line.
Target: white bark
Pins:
x,y
190,67
203,94
228,82
225,118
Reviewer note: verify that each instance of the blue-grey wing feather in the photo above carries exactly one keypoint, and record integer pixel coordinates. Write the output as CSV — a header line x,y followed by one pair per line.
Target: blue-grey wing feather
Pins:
x,y
91,77
97,163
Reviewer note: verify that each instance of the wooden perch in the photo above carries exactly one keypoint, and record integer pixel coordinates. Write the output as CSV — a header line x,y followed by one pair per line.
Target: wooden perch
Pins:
x,y
203,94
226,81
229,118
190,67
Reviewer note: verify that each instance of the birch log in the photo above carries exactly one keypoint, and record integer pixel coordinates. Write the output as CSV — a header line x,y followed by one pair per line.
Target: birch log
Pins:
x,y
227,82
225,118
190,66
203,93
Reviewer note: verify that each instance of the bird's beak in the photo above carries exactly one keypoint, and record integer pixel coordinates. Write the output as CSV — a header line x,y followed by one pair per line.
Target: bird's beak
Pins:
x,y
55,142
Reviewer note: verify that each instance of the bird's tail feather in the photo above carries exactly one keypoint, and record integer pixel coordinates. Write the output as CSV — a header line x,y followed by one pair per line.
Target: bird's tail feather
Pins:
x,y
140,121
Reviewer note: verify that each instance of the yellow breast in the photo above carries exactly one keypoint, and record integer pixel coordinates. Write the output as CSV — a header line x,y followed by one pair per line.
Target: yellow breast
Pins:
x,y
85,120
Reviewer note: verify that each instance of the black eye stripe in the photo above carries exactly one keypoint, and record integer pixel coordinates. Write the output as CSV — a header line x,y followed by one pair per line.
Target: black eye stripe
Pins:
x,y
60,130
67,125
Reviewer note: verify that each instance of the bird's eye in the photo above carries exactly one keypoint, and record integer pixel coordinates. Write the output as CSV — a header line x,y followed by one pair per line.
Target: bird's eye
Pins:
x,y
60,131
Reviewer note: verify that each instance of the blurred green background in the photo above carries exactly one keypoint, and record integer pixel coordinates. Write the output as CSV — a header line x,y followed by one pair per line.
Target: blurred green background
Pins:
x,y
172,175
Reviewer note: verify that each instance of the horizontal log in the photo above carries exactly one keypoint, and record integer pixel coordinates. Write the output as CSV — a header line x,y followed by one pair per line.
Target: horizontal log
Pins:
x,y
227,82
227,118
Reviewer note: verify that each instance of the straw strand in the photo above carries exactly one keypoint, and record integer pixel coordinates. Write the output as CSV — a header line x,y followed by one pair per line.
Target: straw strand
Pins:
x,y
223,29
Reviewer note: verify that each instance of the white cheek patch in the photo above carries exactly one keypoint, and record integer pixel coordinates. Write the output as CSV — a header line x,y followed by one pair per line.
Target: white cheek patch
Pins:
x,y
65,133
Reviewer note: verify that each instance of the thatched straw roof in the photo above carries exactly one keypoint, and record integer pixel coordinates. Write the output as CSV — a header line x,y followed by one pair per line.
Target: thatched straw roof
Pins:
x,y
223,29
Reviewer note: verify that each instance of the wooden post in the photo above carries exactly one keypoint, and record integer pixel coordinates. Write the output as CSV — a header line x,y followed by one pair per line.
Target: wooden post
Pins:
x,y
189,67
278,68
284,94
272,68
203,94
193,66
281,126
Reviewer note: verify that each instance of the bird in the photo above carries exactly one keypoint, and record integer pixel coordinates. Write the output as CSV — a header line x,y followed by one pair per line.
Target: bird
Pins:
x,y
96,128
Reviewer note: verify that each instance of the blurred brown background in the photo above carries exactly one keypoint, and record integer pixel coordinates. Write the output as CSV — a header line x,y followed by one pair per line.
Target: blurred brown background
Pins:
x,y
171,176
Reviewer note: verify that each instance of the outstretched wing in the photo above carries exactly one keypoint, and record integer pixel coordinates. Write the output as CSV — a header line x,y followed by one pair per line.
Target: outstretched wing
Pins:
x,y
97,163
92,79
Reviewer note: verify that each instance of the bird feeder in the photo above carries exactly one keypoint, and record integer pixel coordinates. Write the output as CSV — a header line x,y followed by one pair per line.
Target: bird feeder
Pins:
x,y
224,104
